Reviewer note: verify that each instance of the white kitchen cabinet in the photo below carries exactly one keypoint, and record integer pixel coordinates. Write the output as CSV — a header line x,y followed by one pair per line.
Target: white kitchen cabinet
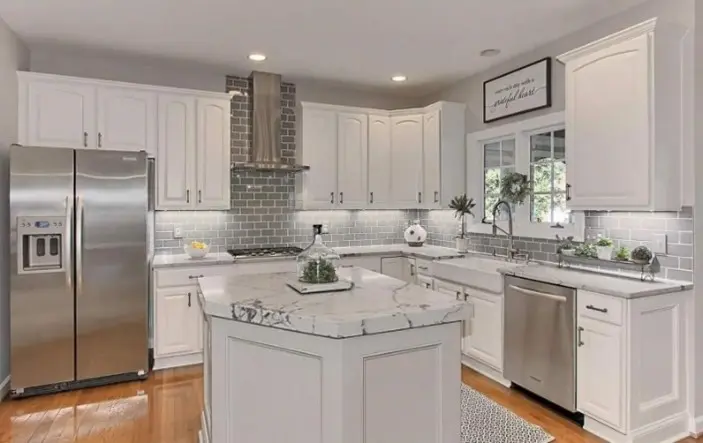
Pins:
x,y
127,119
317,188
448,288
352,160
176,176
379,161
600,384
624,106
177,322
431,158
213,153
372,263
396,267
425,281
485,341
56,113
406,161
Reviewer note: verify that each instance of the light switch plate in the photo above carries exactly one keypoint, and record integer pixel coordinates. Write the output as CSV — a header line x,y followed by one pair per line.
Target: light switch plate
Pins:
x,y
659,244
177,232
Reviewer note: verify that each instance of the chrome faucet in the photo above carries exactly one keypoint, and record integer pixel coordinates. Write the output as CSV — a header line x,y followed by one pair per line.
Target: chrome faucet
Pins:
x,y
512,252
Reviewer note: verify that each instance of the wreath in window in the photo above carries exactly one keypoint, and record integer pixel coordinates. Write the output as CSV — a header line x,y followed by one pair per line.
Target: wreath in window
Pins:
x,y
515,188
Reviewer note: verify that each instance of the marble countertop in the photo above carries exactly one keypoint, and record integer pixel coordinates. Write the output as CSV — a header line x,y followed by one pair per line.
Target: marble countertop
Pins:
x,y
608,284
428,251
376,304
184,260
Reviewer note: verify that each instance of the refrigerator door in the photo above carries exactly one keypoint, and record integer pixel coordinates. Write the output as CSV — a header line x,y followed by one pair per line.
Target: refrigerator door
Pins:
x,y
41,300
111,263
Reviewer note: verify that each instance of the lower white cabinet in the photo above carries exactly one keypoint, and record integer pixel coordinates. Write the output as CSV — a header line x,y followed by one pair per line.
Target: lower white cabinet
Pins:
x,y
372,263
485,341
178,321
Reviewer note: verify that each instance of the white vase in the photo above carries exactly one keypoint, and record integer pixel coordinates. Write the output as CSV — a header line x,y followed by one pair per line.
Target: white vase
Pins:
x,y
604,252
462,244
415,235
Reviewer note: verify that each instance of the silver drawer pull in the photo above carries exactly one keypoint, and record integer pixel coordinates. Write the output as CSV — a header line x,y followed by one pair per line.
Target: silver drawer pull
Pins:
x,y
559,298
593,308
424,268
191,277
579,339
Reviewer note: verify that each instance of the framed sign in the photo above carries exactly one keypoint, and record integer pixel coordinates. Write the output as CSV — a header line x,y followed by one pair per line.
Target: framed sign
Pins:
x,y
523,90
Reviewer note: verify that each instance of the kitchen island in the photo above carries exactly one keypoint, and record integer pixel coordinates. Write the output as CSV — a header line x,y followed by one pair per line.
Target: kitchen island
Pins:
x,y
378,363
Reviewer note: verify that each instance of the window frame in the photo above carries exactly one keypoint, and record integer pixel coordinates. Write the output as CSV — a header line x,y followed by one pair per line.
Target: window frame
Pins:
x,y
523,226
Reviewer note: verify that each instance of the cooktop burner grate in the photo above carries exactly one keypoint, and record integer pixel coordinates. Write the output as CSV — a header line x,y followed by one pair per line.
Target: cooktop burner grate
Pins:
x,y
285,251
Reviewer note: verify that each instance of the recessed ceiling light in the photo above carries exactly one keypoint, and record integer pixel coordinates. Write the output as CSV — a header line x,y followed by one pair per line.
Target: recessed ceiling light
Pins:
x,y
399,78
490,52
257,57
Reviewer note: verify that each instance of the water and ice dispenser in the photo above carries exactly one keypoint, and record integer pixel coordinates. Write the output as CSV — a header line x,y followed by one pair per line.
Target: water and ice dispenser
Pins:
x,y
40,241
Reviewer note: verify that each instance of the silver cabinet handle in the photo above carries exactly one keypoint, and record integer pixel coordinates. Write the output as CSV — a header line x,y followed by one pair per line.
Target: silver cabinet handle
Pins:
x,y
436,196
200,196
559,298
580,341
459,295
424,268
341,198
332,197
68,244
419,197
371,201
100,139
85,139
568,192
189,299
187,195
428,286
412,270
79,246
593,308
191,277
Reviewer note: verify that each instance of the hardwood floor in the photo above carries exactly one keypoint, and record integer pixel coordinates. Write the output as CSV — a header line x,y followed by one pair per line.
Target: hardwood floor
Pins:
x,y
166,409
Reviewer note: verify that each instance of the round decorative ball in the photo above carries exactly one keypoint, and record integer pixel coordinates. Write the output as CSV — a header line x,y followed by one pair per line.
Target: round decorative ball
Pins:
x,y
415,235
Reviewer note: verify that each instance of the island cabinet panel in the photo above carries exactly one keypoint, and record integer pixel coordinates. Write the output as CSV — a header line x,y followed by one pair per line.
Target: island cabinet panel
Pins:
x,y
401,386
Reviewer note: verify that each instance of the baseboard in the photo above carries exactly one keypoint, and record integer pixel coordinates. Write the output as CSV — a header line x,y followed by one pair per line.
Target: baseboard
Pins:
x,y
176,361
4,388
696,427
669,430
485,370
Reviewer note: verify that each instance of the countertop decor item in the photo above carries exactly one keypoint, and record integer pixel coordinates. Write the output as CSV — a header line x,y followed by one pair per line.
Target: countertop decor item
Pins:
x,y
196,249
641,255
515,187
462,206
566,245
415,235
586,250
317,263
647,270
522,90
622,254
604,248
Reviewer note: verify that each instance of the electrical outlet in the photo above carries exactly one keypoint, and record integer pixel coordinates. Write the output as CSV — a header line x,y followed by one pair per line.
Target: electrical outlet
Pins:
x,y
325,229
660,244
177,232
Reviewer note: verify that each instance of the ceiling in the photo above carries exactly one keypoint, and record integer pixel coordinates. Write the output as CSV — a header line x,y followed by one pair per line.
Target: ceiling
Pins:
x,y
363,42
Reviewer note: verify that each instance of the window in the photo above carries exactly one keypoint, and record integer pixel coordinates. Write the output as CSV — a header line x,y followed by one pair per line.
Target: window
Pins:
x,y
499,159
535,147
548,176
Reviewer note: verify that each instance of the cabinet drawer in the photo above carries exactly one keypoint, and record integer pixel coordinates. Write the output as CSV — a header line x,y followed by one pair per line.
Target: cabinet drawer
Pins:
x,y
186,276
424,267
425,281
600,307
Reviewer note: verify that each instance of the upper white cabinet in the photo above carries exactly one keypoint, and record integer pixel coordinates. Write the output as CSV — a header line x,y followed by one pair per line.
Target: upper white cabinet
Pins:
x,y
624,106
188,131
402,159
127,120
56,113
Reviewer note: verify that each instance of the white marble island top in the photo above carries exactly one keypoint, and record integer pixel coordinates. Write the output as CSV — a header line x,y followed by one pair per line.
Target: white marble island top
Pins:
x,y
376,304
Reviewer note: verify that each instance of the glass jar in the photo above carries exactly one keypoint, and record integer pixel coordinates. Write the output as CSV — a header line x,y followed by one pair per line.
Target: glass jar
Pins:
x,y
317,263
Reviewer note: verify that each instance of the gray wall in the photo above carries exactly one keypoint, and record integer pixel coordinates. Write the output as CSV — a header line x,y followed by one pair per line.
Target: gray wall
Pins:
x,y
13,56
470,90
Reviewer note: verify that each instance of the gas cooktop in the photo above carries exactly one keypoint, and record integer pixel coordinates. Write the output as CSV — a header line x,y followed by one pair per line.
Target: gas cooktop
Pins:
x,y
285,251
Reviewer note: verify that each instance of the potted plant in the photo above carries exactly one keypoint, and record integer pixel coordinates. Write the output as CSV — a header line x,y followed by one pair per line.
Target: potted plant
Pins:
x,y
623,254
566,245
641,255
462,205
604,248
586,250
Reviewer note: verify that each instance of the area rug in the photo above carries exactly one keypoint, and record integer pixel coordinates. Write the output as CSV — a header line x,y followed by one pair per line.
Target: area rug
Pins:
x,y
485,421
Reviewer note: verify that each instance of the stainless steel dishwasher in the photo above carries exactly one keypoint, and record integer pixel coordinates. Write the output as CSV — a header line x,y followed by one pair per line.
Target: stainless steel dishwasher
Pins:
x,y
540,339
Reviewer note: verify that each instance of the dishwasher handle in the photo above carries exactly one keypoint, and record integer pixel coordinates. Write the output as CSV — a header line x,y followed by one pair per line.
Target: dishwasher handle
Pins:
x,y
558,298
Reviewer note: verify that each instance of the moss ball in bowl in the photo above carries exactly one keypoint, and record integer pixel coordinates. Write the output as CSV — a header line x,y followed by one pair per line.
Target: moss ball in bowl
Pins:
x,y
641,255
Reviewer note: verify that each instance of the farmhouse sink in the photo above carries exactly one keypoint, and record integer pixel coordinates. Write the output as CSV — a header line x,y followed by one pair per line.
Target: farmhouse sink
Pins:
x,y
480,272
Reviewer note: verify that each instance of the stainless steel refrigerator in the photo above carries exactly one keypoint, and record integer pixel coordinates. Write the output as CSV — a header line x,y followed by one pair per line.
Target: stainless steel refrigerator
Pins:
x,y
79,268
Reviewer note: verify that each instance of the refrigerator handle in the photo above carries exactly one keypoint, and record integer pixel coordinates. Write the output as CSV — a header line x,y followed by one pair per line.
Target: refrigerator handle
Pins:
x,y
79,246
68,243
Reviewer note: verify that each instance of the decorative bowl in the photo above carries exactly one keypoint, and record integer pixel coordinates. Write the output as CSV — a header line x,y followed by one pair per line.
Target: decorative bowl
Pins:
x,y
194,252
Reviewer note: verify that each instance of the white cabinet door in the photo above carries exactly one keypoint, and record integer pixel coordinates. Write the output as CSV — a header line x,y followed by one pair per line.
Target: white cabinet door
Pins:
x,y
127,120
600,389
425,281
608,126
176,152
431,159
379,161
486,340
177,321
371,263
352,162
320,153
394,267
406,161
452,289
213,154
59,114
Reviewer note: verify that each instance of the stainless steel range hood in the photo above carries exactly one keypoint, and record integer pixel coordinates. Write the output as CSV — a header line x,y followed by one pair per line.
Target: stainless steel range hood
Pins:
x,y
265,152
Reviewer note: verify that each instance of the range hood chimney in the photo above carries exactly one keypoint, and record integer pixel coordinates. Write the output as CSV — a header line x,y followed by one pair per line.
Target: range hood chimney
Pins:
x,y
265,152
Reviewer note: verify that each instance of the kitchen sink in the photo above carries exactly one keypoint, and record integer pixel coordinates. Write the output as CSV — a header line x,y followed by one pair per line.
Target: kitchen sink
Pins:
x,y
480,272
